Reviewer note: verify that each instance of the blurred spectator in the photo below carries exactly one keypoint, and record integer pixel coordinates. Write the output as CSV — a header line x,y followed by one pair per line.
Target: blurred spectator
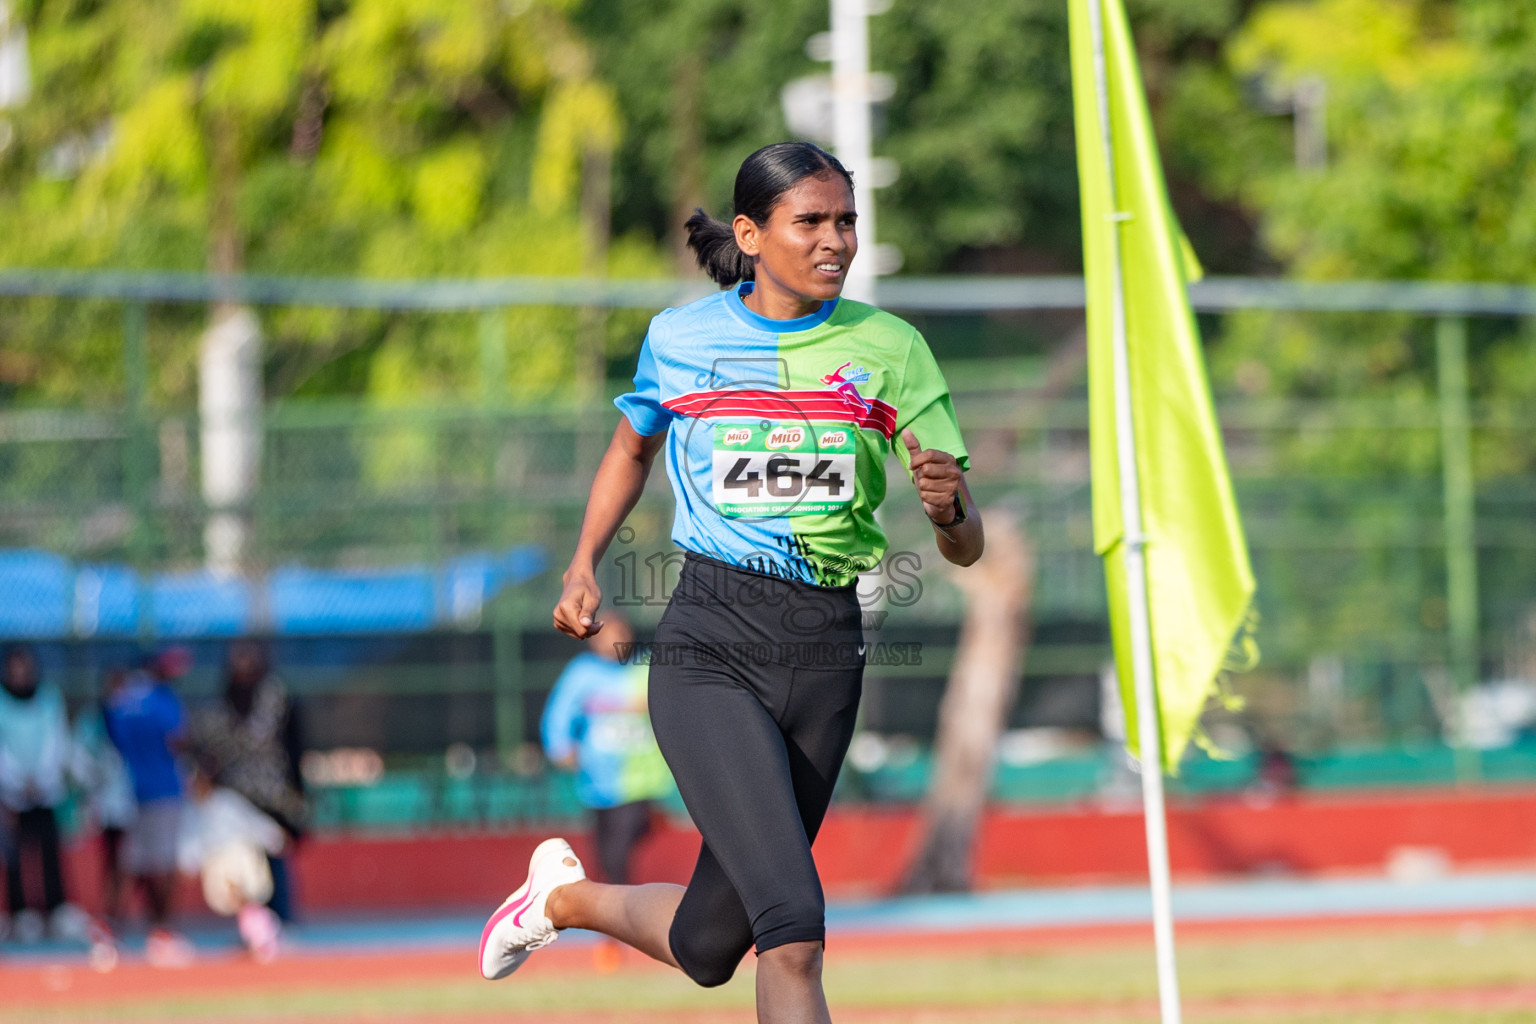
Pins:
x,y
251,741
596,723
1276,776
227,841
34,761
145,719
110,807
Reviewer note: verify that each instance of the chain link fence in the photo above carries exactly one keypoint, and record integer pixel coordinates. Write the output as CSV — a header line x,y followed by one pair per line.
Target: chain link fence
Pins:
x,y
404,555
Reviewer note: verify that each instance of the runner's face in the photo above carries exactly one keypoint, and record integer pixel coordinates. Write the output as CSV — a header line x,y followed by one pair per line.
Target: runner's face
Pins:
x,y
805,248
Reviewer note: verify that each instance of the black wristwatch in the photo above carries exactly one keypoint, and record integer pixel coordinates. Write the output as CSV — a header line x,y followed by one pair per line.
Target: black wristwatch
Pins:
x,y
959,515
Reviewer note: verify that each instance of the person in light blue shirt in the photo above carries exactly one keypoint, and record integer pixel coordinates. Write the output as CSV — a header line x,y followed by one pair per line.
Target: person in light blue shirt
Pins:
x,y
110,806
596,723
34,763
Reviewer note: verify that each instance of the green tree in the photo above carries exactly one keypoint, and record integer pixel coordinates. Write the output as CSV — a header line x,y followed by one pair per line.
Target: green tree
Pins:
x,y
980,125
382,138
1429,175
1430,140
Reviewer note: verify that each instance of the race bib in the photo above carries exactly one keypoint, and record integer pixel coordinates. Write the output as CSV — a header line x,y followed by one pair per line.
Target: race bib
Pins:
x,y
762,468
619,733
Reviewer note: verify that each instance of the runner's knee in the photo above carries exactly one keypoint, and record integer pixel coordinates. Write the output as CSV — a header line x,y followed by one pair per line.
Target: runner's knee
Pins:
x,y
798,919
706,963
797,959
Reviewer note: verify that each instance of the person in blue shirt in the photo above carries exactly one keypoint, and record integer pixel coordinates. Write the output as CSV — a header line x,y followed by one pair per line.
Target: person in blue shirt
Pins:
x,y
596,723
147,724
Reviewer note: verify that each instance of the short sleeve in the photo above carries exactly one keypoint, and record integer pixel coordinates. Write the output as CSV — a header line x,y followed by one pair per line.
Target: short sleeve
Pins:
x,y
642,406
924,406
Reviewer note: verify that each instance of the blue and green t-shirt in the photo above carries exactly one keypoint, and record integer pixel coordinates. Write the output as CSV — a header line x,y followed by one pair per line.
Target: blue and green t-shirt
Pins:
x,y
779,429
597,712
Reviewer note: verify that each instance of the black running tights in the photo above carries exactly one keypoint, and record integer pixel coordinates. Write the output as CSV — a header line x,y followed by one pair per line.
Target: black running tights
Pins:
x,y
754,689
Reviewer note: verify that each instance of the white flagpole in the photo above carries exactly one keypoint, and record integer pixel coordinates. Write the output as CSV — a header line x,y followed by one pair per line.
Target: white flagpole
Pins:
x,y
1147,726
853,134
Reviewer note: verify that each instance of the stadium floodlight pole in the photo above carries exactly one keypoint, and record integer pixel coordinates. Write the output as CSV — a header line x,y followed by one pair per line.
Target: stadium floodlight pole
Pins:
x,y
1148,726
853,134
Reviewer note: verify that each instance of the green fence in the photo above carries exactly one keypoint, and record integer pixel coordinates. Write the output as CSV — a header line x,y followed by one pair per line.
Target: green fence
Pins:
x,y
1390,580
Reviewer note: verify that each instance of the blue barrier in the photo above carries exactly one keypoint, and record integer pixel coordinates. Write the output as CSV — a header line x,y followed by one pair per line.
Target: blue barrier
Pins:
x,y
45,596
36,594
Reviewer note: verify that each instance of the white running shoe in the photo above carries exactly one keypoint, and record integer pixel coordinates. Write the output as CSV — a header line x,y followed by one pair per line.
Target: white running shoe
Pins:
x,y
519,926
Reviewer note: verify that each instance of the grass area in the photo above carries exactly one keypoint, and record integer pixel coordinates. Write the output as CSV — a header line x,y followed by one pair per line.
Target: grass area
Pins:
x,y
1394,975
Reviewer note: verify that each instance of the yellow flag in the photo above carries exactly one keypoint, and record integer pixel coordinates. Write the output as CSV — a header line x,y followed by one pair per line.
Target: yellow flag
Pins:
x,y
1199,581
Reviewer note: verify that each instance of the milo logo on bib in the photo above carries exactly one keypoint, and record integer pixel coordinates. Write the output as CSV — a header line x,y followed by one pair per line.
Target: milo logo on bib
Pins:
x,y
765,469
786,437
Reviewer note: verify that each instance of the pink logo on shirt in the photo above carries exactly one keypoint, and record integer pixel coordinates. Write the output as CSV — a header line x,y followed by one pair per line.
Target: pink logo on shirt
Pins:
x,y
847,386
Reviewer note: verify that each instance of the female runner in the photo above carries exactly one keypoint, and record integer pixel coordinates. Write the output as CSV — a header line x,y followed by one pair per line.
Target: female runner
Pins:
x,y
777,403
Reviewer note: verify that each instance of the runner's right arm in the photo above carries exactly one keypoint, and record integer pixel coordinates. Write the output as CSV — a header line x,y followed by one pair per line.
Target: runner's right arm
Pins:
x,y
615,491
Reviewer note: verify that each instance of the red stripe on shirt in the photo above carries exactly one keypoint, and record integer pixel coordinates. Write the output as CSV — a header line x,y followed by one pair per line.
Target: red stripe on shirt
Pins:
x,y
821,405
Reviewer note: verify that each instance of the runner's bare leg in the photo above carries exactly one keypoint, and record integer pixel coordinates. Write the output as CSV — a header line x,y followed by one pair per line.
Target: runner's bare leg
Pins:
x,y
636,915
788,977
789,985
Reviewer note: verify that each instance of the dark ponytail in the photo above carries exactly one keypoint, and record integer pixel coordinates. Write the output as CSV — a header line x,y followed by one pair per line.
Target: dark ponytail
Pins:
x,y
761,182
714,245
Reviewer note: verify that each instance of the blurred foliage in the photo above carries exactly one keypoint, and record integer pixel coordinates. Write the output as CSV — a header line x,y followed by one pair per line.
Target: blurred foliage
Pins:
x,y
1432,147
1431,174
376,138
395,138
980,126
698,85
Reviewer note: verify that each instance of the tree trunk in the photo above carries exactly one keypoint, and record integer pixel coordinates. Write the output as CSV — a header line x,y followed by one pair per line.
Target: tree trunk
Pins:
x,y
983,683
592,321
596,227
687,154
